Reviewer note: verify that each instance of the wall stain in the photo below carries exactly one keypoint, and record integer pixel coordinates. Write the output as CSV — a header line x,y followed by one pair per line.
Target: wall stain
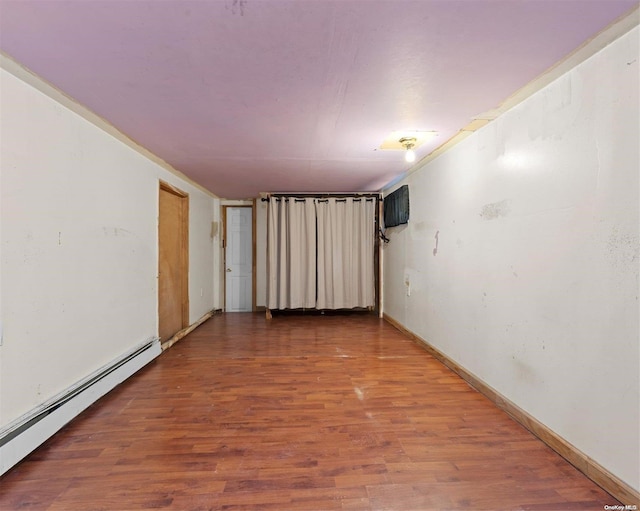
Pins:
x,y
623,249
496,210
420,226
435,250
116,231
237,6
523,371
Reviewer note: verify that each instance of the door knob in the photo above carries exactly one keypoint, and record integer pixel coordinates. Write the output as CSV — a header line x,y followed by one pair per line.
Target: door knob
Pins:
x,y
228,269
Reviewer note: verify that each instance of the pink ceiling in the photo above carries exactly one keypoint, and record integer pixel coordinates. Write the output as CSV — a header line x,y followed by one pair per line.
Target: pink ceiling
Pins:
x,y
246,96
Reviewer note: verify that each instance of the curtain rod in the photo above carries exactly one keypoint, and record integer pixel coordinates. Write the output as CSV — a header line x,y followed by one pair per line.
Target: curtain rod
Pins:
x,y
322,195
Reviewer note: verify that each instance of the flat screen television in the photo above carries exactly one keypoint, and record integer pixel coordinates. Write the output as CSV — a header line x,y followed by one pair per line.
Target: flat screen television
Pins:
x,y
396,207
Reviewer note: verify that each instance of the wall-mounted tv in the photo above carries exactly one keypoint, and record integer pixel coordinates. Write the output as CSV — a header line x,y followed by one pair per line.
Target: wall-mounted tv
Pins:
x,y
396,207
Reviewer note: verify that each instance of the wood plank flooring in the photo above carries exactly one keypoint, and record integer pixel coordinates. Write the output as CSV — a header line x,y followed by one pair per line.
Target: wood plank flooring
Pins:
x,y
298,413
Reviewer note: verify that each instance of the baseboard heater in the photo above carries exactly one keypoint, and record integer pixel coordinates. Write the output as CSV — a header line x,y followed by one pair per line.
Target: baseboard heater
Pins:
x,y
26,433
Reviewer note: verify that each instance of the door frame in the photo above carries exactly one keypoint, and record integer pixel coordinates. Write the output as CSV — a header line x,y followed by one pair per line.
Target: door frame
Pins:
x,y
184,248
253,251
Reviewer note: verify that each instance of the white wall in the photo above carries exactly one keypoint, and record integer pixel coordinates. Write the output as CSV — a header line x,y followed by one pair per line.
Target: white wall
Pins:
x,y
203,210
79,247
218,275
534,284
261,253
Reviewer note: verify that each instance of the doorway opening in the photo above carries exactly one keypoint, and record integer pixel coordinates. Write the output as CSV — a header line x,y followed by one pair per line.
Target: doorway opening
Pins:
x,y
239,258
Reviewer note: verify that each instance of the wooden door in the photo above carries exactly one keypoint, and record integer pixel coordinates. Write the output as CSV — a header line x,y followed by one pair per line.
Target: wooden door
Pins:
x,y
173,228
239,259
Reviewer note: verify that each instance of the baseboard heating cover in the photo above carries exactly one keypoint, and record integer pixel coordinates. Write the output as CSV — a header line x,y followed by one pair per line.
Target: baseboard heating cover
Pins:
x,y
26,433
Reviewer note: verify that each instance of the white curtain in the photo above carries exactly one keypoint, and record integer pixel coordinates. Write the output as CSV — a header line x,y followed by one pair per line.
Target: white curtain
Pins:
x,y
291,251
346,239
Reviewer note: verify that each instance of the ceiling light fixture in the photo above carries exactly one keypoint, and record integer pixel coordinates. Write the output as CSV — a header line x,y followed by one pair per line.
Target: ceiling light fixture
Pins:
x,y
408,143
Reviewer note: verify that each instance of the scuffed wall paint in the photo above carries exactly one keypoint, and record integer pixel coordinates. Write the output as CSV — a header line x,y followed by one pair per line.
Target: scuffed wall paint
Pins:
x,y
79,247
522,255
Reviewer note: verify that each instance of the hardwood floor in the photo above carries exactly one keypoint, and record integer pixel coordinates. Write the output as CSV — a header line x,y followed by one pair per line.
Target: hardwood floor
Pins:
x,y
298,413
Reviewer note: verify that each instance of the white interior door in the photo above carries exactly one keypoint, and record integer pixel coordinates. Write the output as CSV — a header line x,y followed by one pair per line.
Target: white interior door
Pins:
x,y
239,260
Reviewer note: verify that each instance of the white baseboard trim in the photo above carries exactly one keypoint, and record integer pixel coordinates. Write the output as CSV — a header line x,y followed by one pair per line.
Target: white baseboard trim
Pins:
x,y
25,434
